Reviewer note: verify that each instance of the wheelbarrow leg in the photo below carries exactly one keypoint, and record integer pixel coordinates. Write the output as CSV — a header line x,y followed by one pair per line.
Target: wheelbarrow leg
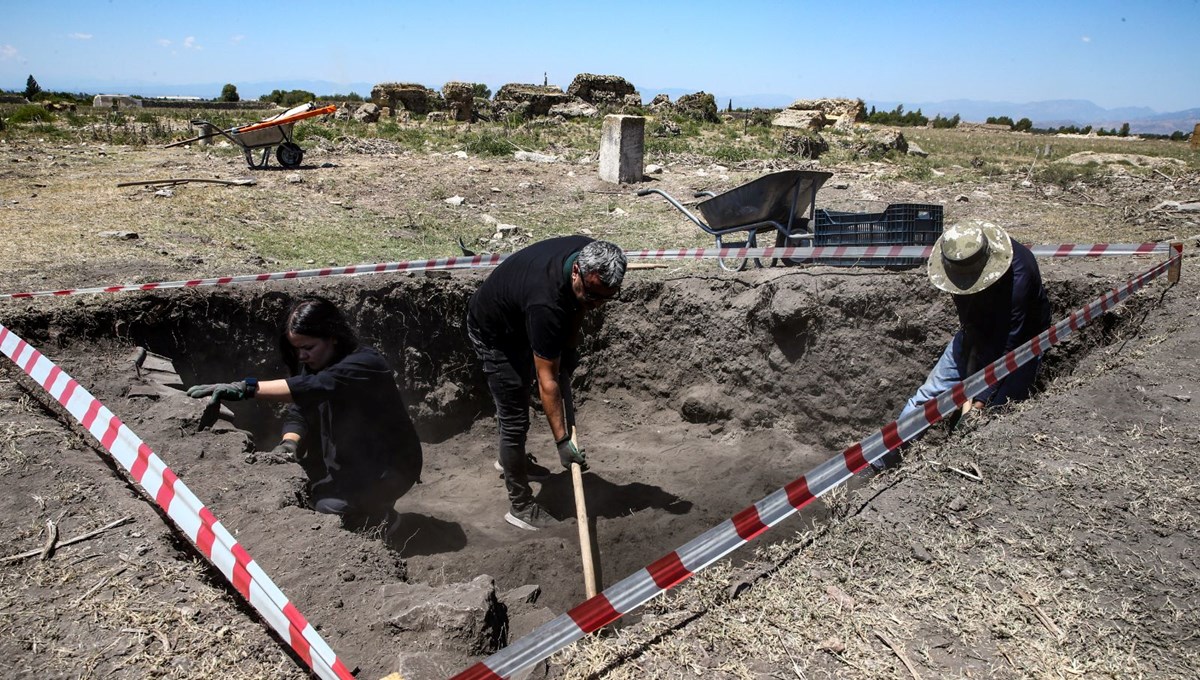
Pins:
x,y
734,264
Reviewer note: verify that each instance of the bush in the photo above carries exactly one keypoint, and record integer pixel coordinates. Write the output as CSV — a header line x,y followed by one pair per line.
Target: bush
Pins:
x,y
946,123
1065,174
897,117
487,144
288,98
229,93
29,113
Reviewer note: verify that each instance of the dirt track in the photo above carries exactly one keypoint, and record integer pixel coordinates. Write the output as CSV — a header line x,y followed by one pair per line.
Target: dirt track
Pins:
x,y
699,394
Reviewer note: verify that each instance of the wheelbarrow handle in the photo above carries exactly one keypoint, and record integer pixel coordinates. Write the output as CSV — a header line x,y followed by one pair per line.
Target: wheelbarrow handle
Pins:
x,y
645,192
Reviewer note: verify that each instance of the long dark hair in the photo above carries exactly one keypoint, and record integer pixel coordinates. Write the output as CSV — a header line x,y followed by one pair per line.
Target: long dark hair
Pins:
x,y
315,317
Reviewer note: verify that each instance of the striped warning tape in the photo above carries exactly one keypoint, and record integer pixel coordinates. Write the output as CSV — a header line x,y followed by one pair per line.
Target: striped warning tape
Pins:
x,y
679,565
180,504
816,254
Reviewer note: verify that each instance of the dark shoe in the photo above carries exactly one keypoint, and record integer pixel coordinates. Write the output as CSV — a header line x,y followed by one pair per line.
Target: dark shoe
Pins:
x,y
532,470
531,517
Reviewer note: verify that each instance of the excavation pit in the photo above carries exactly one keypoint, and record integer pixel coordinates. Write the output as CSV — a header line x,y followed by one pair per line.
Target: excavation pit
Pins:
x,y
697,396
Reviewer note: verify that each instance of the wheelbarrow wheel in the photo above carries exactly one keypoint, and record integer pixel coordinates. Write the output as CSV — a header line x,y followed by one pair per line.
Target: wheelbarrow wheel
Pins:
x,y
735,264
289,154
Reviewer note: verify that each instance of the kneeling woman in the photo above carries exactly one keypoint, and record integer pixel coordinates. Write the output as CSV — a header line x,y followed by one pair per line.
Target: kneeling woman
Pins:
x,y
346,425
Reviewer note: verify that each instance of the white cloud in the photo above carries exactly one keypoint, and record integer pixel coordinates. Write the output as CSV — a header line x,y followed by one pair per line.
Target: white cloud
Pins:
x,y
1086,38
237,39
81,36
8,52
190,43
163,42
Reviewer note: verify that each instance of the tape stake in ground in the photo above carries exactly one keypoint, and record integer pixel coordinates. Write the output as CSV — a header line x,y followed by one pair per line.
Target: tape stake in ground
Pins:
x,y
181,506
814,254
702,551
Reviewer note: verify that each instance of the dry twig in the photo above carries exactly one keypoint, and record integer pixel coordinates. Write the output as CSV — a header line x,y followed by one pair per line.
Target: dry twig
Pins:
x,y
899,652
1030,602
51,539
69,541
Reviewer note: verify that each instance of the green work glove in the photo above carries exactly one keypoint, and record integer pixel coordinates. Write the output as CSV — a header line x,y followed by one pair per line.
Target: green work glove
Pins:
x,y
569,452
233,391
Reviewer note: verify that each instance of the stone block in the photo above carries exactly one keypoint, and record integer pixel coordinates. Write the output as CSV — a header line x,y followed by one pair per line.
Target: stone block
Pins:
x,y
622,147
459,617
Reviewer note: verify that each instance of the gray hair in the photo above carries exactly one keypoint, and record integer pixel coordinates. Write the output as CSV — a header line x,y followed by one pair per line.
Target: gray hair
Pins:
x,y
605,259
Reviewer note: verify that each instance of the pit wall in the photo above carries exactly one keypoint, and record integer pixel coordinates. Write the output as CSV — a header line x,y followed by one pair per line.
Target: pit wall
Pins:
x,y
827,356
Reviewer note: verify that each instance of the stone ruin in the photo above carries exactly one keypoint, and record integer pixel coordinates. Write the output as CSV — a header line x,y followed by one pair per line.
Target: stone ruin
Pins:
x,y
533,100
460,99
412,97
699,106
817,114
602,90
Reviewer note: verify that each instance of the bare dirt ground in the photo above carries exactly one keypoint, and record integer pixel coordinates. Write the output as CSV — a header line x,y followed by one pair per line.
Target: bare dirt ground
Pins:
x,y
1074,553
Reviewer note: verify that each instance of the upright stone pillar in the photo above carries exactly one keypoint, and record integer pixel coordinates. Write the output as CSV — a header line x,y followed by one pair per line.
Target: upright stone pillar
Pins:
x,y
622,145
208,130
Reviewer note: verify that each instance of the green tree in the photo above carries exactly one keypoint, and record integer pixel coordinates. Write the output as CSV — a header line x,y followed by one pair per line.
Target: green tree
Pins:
x,y
1124,130
1000,120
229,93
31,88
481,90
1023,125
288,98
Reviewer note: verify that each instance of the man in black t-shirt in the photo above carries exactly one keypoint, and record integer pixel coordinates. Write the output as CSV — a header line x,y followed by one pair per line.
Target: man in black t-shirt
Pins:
x,y
521,323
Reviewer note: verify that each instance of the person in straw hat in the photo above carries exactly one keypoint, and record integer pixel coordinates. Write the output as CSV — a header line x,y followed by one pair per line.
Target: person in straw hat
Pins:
x,y
1001,303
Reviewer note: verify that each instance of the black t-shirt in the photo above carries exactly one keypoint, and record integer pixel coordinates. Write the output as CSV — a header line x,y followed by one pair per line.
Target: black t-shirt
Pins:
x,y
350,414
528,302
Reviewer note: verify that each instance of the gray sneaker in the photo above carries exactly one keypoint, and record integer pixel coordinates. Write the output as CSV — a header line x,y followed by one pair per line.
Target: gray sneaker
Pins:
x,y
531,517
533,470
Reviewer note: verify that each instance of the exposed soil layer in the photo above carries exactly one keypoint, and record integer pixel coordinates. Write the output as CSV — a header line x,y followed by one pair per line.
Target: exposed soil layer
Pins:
x,y
698,394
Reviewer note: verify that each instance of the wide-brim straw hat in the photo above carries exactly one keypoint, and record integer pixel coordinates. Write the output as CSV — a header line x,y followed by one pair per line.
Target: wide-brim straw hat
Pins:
x,y
968,257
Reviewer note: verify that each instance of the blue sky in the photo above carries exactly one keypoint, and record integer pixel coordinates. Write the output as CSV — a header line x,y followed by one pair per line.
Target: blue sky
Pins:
x,y
1114,53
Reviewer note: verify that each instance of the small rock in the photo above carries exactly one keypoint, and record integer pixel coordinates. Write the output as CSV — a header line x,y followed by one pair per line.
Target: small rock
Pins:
x,y
347,575
921,554
914,150
840,597
653,169
617,212
487,219
1189,207
119,235
165,193
327,164
293,178
527,594
961,198
841,185
833,645
1026,183
455,200
459,154
957,504
535,157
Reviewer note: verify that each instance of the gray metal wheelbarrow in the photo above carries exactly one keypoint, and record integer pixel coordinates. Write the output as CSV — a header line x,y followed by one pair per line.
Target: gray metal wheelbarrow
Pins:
x,y
783,202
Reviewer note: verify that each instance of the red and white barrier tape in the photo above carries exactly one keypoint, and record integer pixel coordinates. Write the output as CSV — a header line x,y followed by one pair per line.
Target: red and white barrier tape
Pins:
x,y
702,551
181,505
485,261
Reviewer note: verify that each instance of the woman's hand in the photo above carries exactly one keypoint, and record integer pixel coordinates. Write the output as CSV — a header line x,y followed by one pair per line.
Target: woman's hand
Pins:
x,y
232,391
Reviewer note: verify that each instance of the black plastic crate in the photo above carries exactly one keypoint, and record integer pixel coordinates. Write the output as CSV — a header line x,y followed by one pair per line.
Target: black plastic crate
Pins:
x,y
901,224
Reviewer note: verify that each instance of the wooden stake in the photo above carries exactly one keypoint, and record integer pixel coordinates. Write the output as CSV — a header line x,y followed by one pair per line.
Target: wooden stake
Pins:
x,y
1176,250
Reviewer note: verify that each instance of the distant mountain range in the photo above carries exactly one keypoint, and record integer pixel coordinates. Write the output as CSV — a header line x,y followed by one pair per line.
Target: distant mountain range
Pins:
x,y
1044,114
1056,113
